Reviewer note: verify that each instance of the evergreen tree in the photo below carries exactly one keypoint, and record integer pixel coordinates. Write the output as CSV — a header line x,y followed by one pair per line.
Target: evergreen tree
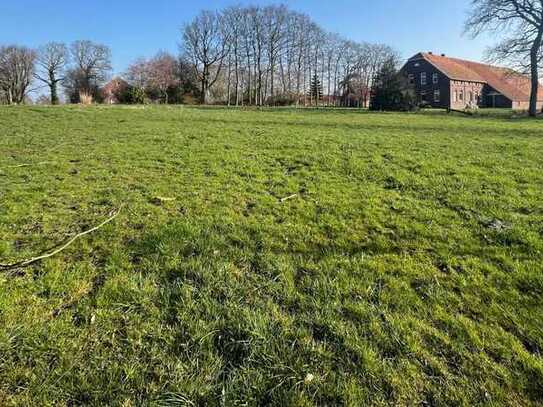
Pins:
x,y
391,90
315,89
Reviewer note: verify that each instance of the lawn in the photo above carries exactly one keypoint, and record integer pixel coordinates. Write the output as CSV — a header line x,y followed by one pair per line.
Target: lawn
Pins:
x,y
286,257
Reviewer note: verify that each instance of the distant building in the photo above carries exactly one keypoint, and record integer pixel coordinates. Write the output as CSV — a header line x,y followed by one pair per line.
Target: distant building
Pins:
x,y
454,83
112,90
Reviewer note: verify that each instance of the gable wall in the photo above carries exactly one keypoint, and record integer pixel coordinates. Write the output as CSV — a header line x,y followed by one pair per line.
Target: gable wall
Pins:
x,y
463,92
416,68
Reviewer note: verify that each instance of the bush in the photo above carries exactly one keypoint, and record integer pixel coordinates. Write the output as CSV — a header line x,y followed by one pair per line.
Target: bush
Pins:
x,y
135,95
85,98
190,99
285,99
175,95
391,90
424,105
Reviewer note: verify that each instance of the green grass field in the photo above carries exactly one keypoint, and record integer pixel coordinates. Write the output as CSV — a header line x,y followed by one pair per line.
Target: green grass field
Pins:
x,y
405,268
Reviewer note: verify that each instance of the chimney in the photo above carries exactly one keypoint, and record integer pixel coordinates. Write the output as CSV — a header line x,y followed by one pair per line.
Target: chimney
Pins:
x,y
431,53
443,55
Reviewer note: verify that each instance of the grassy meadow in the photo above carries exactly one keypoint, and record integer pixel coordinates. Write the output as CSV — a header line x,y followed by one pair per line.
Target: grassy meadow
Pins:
x,y
283,257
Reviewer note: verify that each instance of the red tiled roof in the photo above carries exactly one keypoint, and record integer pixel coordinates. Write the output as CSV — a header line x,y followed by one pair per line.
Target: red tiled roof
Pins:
x,y
113,85
509,83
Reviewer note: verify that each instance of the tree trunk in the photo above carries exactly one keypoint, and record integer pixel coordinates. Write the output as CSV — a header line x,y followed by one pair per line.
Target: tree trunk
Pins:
x,y
272,84
336,84
53,87
54,94
534,61
298,79
205,84
228,81
203,90
236,63
249,84
329,69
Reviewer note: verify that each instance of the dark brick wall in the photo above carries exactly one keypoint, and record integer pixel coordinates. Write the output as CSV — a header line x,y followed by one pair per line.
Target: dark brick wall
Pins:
x,y
416,68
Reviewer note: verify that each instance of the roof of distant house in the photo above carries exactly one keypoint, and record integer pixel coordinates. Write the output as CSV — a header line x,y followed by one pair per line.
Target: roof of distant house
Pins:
x,y
114,84
508,82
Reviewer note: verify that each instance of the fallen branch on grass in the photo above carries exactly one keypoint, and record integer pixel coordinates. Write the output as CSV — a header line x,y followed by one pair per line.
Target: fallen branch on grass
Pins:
x,y
28,262
32,164
288,197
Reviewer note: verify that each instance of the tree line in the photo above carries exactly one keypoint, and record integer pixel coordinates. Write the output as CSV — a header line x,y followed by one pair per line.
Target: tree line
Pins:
x,y
270,55
80,69
237,56
255,56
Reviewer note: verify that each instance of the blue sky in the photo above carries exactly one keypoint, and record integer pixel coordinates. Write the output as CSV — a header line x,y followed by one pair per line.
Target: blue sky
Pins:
x,y
134,28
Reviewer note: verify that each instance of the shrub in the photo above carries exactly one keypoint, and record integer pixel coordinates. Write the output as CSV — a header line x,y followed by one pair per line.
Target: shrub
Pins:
x,y
285,99
136,95
85,98
391,90
175,95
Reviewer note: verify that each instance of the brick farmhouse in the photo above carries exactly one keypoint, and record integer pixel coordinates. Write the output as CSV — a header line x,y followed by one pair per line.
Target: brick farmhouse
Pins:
x,y
112,90
453,83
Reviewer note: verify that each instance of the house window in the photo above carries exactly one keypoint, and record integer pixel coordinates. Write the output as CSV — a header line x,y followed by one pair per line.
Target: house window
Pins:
x,y
423,97
461,96
437,96
411,79
471,96
423,78
435,78
455,97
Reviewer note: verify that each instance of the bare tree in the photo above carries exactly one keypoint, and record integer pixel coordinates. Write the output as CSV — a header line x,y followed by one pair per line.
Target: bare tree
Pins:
x,y
522,23
16,72
163,74
205,42
256,21
275,36
234,20
186,77
270,54
92,64
138,73
52,59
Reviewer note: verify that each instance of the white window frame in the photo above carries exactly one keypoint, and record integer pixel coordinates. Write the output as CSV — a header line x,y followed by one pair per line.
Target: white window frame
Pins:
x,y
435,78
423,79
437,96
411,78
